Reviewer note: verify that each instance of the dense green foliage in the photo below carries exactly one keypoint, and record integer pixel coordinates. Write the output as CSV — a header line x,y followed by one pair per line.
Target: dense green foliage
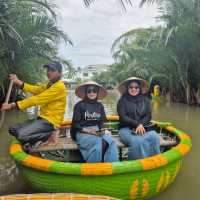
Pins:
x,y
169,54
123,3
28,38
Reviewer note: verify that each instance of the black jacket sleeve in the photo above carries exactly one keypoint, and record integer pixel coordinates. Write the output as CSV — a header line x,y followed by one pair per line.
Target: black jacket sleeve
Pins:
x,y
123,117
77,117
103,117
147,116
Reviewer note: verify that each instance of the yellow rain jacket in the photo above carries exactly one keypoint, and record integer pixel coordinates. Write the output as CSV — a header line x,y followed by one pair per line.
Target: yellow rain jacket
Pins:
x,y
52,101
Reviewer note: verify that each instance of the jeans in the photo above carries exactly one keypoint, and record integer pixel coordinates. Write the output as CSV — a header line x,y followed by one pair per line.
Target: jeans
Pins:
x,y
91,147
140,146
32,131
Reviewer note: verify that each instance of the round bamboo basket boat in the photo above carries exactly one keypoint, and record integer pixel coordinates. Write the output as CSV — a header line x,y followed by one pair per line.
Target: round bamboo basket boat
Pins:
x,y
134,179
55,196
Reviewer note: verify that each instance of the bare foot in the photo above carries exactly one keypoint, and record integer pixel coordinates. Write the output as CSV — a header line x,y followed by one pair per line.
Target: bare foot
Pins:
x,y
53,139
45,143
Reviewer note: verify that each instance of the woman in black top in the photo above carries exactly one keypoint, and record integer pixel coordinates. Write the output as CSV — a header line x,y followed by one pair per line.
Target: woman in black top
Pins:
x,y
88,119
134,111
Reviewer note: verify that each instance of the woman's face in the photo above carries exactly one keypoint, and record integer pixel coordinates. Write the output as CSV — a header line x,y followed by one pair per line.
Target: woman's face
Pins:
x,y
133,89
92,92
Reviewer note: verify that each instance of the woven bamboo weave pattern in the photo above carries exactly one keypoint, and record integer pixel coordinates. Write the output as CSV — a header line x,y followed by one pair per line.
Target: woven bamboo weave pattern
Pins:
x,y
54,196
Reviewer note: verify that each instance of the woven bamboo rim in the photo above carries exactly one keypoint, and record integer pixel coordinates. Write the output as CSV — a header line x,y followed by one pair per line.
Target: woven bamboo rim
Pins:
x,y
102,169
55,196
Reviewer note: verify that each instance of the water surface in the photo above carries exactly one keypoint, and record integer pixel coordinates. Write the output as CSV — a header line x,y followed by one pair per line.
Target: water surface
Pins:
x,y
185,186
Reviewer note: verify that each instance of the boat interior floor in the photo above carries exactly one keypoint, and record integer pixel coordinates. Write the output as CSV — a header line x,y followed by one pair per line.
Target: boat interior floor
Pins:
x,y
66,149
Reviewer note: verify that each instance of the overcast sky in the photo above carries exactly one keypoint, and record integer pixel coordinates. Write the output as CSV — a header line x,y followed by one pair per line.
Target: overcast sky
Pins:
x,y
93,30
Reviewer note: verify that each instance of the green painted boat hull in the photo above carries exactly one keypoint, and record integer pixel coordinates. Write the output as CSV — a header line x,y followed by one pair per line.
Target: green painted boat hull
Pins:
x,y
134,179
147,183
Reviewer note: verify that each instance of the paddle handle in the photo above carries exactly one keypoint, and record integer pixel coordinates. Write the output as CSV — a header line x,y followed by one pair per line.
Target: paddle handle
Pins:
x,y
6,101
9,91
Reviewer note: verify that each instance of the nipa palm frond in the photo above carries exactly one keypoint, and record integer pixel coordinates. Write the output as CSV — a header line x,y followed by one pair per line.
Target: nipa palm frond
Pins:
x,y
123,3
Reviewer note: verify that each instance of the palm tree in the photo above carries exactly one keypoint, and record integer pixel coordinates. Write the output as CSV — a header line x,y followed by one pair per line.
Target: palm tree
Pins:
x,y
123,3
28,37
171,50
69,71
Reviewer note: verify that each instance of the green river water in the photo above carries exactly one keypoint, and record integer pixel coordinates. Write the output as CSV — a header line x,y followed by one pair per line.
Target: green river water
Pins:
x,y
184,117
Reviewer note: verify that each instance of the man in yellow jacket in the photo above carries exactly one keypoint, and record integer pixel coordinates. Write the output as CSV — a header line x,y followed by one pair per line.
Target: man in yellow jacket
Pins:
x,y
51,97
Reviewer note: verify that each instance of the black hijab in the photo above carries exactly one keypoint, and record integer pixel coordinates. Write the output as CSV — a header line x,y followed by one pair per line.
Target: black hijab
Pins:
x,y
131,98
86,99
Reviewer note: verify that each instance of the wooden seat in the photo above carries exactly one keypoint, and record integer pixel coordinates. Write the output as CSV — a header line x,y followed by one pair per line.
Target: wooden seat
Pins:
x,y
67,143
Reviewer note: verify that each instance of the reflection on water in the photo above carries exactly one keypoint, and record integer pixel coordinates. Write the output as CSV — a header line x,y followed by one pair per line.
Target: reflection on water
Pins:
x,y
8,174
184,117
10,179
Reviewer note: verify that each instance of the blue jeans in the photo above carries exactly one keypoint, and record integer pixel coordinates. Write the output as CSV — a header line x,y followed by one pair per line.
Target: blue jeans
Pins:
x,y
32,131
91,147
140,146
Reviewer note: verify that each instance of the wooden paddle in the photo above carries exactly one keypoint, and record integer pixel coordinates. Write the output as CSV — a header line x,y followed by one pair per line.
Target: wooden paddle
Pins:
x,y
6,101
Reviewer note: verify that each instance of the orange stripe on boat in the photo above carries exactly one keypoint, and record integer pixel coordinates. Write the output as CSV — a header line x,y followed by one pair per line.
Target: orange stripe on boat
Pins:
x,y
167,179
160,183
184,136
145,188
153,162
15,148
134,190
109,117
182,148
96,169
178,166
37,163
112,117
66,122
171,128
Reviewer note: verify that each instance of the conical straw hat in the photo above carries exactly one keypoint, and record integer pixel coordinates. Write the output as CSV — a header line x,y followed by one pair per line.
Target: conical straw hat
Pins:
x,y
80,90
122,86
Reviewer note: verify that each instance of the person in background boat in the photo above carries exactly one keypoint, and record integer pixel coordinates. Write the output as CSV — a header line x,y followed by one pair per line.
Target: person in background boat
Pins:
x,y
156,92
134,112
155,98
51,97
87,121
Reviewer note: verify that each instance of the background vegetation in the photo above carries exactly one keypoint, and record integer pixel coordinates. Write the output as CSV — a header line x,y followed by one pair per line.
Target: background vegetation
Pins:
x,y
169,54
28,38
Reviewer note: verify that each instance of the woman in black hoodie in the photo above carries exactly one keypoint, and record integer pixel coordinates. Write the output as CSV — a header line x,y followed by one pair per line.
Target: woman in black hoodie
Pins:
x,y
134,111
88,119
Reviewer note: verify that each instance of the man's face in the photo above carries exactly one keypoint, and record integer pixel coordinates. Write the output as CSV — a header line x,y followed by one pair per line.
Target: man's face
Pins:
x,y
53,74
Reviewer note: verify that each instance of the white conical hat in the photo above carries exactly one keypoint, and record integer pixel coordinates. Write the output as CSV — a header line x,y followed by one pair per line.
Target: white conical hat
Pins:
x,y
122,86
80,90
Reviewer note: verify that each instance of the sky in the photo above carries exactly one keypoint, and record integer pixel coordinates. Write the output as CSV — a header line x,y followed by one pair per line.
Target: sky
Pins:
x,y
94,29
